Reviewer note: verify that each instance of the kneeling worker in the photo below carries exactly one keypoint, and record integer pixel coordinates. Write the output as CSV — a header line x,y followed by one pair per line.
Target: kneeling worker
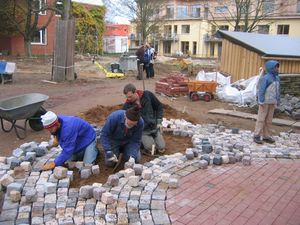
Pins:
x,y
122,133
152,114
76,137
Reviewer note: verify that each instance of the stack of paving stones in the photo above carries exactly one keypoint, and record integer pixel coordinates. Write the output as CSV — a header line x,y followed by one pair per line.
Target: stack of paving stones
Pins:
x,y
291,106
135,195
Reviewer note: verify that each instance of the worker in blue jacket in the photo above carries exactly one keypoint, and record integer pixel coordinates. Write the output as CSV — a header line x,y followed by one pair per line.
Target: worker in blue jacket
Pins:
x,y
268,99
76,137
122,133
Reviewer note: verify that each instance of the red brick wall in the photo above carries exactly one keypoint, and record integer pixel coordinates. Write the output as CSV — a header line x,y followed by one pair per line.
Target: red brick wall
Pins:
x,y
46,49
5,44
16,46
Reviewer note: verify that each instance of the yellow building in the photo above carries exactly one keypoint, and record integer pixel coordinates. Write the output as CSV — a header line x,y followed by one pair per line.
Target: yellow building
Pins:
x,y
190,25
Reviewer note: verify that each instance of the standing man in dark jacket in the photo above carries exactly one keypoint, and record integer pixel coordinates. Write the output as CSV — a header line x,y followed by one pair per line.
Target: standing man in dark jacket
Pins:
x,y
152,113
268,98
140,60
122,133
76,137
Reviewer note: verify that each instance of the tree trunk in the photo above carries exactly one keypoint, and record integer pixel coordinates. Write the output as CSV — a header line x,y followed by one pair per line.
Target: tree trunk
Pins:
x,y
27,45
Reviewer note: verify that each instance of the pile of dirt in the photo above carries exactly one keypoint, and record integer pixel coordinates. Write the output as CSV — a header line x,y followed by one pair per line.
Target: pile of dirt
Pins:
x,y
98,114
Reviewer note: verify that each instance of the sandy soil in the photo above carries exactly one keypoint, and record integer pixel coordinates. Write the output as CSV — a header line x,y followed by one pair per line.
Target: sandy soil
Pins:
x,y
93,91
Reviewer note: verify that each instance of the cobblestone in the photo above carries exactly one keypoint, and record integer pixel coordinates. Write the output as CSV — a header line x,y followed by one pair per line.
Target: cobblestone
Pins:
x,y
85,173
86,191
6,180
60,172
140,195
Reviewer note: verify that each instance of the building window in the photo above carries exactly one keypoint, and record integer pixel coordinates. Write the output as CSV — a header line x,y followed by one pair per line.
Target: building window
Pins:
x,y
175,29
298,6
213,29
182,11
185,29
170,11
240,28
245,8
194,47
283,29
185,47
60,6
156,11
268,6
212,49
167,47
167,30
221,9
196,11
39,37
263,29
223,27
42,5
206,12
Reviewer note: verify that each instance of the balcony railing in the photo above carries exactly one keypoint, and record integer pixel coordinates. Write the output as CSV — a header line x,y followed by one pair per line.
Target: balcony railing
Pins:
x,y
183,17
211,38
134,37
170,37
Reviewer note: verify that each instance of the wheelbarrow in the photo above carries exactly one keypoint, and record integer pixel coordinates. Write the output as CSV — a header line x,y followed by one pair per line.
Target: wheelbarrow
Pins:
x,y
26,107
201,89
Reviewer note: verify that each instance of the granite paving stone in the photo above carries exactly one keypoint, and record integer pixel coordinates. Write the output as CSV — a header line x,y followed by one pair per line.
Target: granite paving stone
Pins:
x,y
138,194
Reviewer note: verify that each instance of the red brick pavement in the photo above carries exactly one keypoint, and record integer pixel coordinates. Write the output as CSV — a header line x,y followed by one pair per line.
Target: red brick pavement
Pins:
x,y
265,193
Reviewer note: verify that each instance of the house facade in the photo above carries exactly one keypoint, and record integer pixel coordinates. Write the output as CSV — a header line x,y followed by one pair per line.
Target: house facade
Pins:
x,y
190,25
115,38
43,40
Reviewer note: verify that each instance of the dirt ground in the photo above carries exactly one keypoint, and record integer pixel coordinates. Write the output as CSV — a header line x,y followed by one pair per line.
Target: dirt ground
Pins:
x,y
93,97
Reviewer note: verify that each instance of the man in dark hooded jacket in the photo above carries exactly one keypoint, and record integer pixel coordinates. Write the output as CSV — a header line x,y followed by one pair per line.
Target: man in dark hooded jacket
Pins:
x,y
122,133
140,60
152,113
268,98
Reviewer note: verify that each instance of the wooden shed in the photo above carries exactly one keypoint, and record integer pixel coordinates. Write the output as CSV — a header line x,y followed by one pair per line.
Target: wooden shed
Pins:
x,y
243,53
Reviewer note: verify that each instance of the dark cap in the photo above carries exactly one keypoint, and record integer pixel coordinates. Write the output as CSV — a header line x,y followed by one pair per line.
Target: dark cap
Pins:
x,y
133,113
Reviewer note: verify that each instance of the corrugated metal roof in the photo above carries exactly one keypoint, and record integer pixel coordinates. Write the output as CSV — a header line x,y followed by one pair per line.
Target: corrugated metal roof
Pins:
x,y
268,45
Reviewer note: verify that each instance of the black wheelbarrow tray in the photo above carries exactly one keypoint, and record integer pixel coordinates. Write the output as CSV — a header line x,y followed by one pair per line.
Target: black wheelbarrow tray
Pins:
x,y
26,107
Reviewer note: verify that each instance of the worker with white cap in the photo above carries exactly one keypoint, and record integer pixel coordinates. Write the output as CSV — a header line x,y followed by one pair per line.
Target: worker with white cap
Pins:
x,y
76,137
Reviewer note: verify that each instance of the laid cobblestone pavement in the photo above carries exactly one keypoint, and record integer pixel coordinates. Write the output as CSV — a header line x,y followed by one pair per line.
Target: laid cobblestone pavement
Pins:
x,y
224,179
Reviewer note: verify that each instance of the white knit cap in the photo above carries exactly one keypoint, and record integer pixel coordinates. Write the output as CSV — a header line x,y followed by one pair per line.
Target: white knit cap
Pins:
x,y
49,119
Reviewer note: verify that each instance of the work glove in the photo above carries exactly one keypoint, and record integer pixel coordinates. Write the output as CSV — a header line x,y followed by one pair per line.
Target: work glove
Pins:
x,y
111,157
48,166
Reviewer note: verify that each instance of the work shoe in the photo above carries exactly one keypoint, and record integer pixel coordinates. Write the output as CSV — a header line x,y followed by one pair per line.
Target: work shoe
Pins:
x,y
161,151
269,140
257,140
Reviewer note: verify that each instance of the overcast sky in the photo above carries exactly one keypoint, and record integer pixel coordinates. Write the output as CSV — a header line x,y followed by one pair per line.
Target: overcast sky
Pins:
x,y
114,8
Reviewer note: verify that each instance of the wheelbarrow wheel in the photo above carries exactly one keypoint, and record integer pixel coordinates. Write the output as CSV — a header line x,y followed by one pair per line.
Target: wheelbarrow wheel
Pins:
x,y
35,122
194,96
207,97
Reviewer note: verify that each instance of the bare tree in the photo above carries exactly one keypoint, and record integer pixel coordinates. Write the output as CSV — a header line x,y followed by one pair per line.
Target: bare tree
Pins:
x,y
245,15
23,16
145,14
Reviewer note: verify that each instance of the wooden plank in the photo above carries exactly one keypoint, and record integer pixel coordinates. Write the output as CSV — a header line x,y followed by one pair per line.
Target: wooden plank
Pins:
x,y
244,115
70,70
60,51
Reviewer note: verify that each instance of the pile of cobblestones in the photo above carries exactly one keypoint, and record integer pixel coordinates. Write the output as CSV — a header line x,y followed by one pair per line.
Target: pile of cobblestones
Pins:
x,y
135,195
291,106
